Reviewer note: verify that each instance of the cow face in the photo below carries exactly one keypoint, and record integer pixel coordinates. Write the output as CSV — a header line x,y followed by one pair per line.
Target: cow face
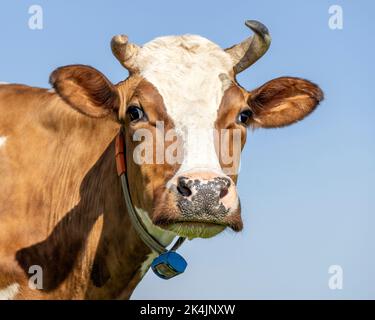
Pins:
x,y
185,115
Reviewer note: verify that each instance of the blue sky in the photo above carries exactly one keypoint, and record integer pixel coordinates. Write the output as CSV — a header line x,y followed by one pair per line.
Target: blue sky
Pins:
x,y
307,190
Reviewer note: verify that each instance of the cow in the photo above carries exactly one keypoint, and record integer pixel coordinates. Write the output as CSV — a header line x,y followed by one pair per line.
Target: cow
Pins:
x,y
62,206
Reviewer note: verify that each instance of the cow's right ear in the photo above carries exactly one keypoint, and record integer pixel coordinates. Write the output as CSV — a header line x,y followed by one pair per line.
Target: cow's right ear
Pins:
x,y
86,89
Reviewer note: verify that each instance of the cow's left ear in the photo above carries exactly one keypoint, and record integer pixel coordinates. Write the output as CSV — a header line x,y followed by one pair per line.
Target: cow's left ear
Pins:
x,y
86,89
283,101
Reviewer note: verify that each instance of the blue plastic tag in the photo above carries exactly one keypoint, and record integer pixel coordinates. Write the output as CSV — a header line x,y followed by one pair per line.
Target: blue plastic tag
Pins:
x,y
168,265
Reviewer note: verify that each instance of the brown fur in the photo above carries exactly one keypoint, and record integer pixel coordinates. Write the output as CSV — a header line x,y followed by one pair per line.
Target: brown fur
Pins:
x,y
86,89
283,101
61,204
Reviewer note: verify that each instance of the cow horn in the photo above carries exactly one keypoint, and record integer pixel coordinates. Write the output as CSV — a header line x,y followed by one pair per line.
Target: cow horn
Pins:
x,y
125,52
250,50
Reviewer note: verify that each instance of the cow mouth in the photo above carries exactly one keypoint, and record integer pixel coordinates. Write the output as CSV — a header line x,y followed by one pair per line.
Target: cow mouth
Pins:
x,y
195,229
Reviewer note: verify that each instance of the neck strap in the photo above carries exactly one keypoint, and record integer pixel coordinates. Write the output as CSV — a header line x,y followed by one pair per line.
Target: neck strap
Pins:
x,y
146,237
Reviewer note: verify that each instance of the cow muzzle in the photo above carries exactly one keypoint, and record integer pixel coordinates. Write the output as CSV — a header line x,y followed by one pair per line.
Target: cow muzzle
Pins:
x,y
206,203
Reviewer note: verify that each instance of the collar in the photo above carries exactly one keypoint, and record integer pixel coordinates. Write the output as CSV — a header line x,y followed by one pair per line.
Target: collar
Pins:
x,y
146,237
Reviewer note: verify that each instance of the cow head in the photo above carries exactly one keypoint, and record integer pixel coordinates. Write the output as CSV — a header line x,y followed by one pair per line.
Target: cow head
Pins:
x,y
184,113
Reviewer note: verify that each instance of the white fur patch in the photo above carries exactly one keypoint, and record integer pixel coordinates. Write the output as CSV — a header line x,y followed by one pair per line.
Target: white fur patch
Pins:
x,y
188,73
10,292
2,141
163,236
2,82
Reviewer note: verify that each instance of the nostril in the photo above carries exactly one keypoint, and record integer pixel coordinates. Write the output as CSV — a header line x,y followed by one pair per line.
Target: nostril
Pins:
x,y
185,191
223,192
183,188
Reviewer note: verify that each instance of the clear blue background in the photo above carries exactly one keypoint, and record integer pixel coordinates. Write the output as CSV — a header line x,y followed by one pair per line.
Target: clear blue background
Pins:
x,y
307,190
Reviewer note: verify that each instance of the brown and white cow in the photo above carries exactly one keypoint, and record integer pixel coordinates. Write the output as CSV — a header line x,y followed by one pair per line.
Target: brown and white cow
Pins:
x,y
61,203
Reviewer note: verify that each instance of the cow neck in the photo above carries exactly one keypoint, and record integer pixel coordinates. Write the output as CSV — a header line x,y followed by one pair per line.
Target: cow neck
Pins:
x,y
146,237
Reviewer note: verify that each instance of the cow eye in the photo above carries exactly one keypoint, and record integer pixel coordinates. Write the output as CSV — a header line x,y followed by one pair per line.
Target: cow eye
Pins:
x,y
244,117
135,113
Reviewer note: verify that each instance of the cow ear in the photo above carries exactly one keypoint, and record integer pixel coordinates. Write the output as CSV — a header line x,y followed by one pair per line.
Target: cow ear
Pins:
x,y
86,89
283,101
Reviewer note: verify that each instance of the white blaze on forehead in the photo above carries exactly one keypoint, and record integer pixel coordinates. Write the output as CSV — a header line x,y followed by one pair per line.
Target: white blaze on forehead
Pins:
x,y
188,71
10,292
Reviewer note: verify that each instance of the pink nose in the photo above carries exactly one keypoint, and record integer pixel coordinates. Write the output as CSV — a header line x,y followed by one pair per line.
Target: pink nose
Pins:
x,y
206,193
